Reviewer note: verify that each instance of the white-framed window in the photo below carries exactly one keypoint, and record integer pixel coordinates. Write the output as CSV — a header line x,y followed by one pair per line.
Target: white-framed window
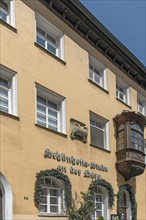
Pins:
x,y
97,72
99,131
141,104
7,11
122,90
8,91
101,204
51,109
49,37
52,197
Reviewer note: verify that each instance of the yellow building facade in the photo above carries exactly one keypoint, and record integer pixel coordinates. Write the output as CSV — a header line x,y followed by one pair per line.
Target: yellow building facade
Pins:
x,y
72,113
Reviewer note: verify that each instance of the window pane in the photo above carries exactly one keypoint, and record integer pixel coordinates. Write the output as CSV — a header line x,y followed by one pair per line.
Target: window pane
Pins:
x,y
99,206
97,137
41,41
99,198
3,109
52,114
52,105
4,102
40,32
3,83
53,201
91,74
4,93
42,208
53,192
41,117
90,67
54,209
3,10
121,96
51,48
98,213
51,39
48,182
97,78
41,100
52,122
44,199
41,109
44,191
97,72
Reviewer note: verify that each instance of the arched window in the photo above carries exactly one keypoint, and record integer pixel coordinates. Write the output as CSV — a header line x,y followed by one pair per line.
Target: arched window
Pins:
x,y
52,196
5,198
101,204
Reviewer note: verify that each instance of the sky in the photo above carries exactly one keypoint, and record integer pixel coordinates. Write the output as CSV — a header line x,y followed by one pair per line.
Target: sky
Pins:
x,y
125,19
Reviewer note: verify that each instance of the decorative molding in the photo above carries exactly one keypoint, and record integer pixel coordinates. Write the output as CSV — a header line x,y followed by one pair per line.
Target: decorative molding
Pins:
x,y
79,130
81,20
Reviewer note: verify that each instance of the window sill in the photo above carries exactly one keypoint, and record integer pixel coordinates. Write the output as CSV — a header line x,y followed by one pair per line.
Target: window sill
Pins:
x,y
8,26
49,215
123,102
105,150
48,129
141,114
10,115
49,53
95,84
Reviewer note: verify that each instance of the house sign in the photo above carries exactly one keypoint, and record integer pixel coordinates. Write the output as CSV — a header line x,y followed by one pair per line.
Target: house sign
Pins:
x,y
61,157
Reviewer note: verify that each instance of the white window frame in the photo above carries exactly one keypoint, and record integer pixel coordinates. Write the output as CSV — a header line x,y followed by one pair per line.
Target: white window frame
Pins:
x,y
59,100
141,104
10,17
61,202
121,85
102,72
105,210
11,78
105,124
53,32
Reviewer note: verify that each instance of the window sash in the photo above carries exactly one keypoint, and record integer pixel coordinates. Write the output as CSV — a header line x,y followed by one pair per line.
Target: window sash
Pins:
x,y
46,40
50,117
4,95
141,107
121,93
95,75
50,202
98,133
98,206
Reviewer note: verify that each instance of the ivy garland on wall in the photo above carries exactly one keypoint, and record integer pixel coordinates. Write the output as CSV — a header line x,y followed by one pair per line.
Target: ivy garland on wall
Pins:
x,y
103,183
60,176
120,195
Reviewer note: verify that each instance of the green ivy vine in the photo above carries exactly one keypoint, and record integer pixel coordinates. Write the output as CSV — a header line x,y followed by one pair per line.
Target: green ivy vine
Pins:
x,y
60,176
101,182
120,195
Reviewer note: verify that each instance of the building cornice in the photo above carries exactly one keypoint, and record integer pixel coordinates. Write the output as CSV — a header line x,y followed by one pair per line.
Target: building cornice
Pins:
x,y
86,25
